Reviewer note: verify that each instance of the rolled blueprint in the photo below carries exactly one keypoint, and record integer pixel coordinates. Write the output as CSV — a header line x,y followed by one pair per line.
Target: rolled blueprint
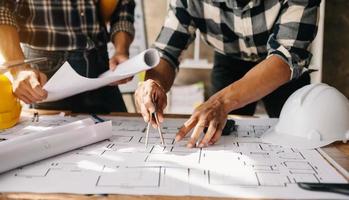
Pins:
x,y
141,62
66,82
37,146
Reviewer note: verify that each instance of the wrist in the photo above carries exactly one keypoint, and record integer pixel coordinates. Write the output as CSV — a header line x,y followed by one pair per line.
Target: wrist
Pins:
x,y
160,86
228,99
122,42
122,53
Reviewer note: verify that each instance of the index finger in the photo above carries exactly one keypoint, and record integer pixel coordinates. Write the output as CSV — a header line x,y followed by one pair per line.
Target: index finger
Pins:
x,y
184,130
42,78
40,91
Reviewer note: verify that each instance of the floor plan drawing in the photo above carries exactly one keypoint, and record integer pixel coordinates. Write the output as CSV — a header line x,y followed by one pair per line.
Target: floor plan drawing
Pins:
x,y
238,166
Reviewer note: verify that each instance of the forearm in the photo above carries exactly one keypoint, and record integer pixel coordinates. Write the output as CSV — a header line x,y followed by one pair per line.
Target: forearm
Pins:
x,y
122,42
257,83
163,74
10,48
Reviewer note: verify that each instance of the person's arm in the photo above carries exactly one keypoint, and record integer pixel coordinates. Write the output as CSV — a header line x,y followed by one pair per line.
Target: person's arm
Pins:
x,y
261,80
175,36
294,30
258,82
9,44
158,82
122,33
27,83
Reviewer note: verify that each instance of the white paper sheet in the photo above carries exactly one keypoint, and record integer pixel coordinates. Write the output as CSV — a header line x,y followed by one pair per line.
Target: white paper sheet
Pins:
x,y
239,166
66,82
40,145
194,96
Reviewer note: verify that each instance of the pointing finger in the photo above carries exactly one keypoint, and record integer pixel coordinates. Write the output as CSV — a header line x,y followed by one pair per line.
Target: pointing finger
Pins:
x,y
184,130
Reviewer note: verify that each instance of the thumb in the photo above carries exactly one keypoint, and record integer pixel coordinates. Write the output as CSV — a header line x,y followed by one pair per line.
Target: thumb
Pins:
x,y
161,115
122,59
162,105
112,63
34,79
42,79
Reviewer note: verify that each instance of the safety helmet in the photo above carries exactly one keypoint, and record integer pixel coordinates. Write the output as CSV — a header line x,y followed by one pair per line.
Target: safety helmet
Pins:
x,y
314,116
10,107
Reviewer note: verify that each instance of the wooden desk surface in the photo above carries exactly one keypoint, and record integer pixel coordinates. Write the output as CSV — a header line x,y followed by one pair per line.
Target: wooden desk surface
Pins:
x,y
339,152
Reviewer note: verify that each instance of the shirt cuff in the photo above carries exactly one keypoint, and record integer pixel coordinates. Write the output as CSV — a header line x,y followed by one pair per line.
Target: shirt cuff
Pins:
x,y
169,58
7,18
122,26
291,57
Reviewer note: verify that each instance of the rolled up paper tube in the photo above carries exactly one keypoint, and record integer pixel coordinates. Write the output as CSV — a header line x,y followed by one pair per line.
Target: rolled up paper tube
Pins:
x,y
30,148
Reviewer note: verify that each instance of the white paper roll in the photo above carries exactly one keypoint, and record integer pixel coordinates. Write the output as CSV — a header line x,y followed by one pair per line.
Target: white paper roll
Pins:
x,y
141,62
31,148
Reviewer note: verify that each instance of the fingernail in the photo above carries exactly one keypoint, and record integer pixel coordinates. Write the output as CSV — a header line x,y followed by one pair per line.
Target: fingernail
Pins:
x,y
201,145
151,109
161,119
177,138
190,145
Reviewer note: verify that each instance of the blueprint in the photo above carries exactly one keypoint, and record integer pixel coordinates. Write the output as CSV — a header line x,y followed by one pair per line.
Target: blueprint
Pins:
x,y
238,166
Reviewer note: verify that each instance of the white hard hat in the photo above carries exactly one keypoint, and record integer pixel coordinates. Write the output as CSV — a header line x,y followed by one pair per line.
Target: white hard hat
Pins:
x,y
313,116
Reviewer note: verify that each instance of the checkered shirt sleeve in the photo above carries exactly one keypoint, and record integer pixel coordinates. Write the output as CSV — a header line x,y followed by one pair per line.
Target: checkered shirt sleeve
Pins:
x,y
123,18
176,34
6,15
294,31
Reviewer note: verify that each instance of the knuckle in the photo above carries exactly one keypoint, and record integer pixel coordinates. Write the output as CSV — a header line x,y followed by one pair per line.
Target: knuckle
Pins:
x,y
203,120
148,82
148,103
214,123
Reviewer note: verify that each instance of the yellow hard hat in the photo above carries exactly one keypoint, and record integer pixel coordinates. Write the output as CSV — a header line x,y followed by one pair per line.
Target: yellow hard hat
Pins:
x,y
10,108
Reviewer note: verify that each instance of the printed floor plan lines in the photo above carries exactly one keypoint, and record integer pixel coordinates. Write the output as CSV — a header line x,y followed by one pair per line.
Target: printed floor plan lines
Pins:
x,y
239,165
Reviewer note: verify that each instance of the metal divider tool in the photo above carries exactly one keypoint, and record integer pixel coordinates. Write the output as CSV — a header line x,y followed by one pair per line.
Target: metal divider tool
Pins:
x,y
155,115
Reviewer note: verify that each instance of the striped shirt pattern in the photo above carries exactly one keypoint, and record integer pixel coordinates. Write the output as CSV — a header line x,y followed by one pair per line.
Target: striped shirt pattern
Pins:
x,y
248,30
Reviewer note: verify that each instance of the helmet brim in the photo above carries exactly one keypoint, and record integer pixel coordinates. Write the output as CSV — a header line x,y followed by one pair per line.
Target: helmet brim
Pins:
x,y
291,141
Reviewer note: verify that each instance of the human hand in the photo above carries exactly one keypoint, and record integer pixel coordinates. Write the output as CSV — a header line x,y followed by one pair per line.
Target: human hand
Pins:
x,y
210,114
113,64
28,84
147,94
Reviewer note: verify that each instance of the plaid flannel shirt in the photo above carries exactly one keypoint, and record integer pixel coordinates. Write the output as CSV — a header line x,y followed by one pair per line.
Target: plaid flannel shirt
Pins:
x,y
64,25
250,31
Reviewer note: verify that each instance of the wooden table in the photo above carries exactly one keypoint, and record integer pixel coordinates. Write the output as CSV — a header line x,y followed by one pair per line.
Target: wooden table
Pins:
x,y
338,151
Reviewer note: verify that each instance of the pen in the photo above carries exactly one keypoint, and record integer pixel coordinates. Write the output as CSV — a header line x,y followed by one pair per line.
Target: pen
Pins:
x,y
341,188
15,63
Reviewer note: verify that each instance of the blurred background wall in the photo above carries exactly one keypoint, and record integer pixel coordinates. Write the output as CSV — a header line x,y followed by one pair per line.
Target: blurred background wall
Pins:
x,y
336,45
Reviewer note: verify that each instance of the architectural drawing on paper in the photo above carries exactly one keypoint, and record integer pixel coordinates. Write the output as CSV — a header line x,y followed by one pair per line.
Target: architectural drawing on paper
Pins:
x,y
122,164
